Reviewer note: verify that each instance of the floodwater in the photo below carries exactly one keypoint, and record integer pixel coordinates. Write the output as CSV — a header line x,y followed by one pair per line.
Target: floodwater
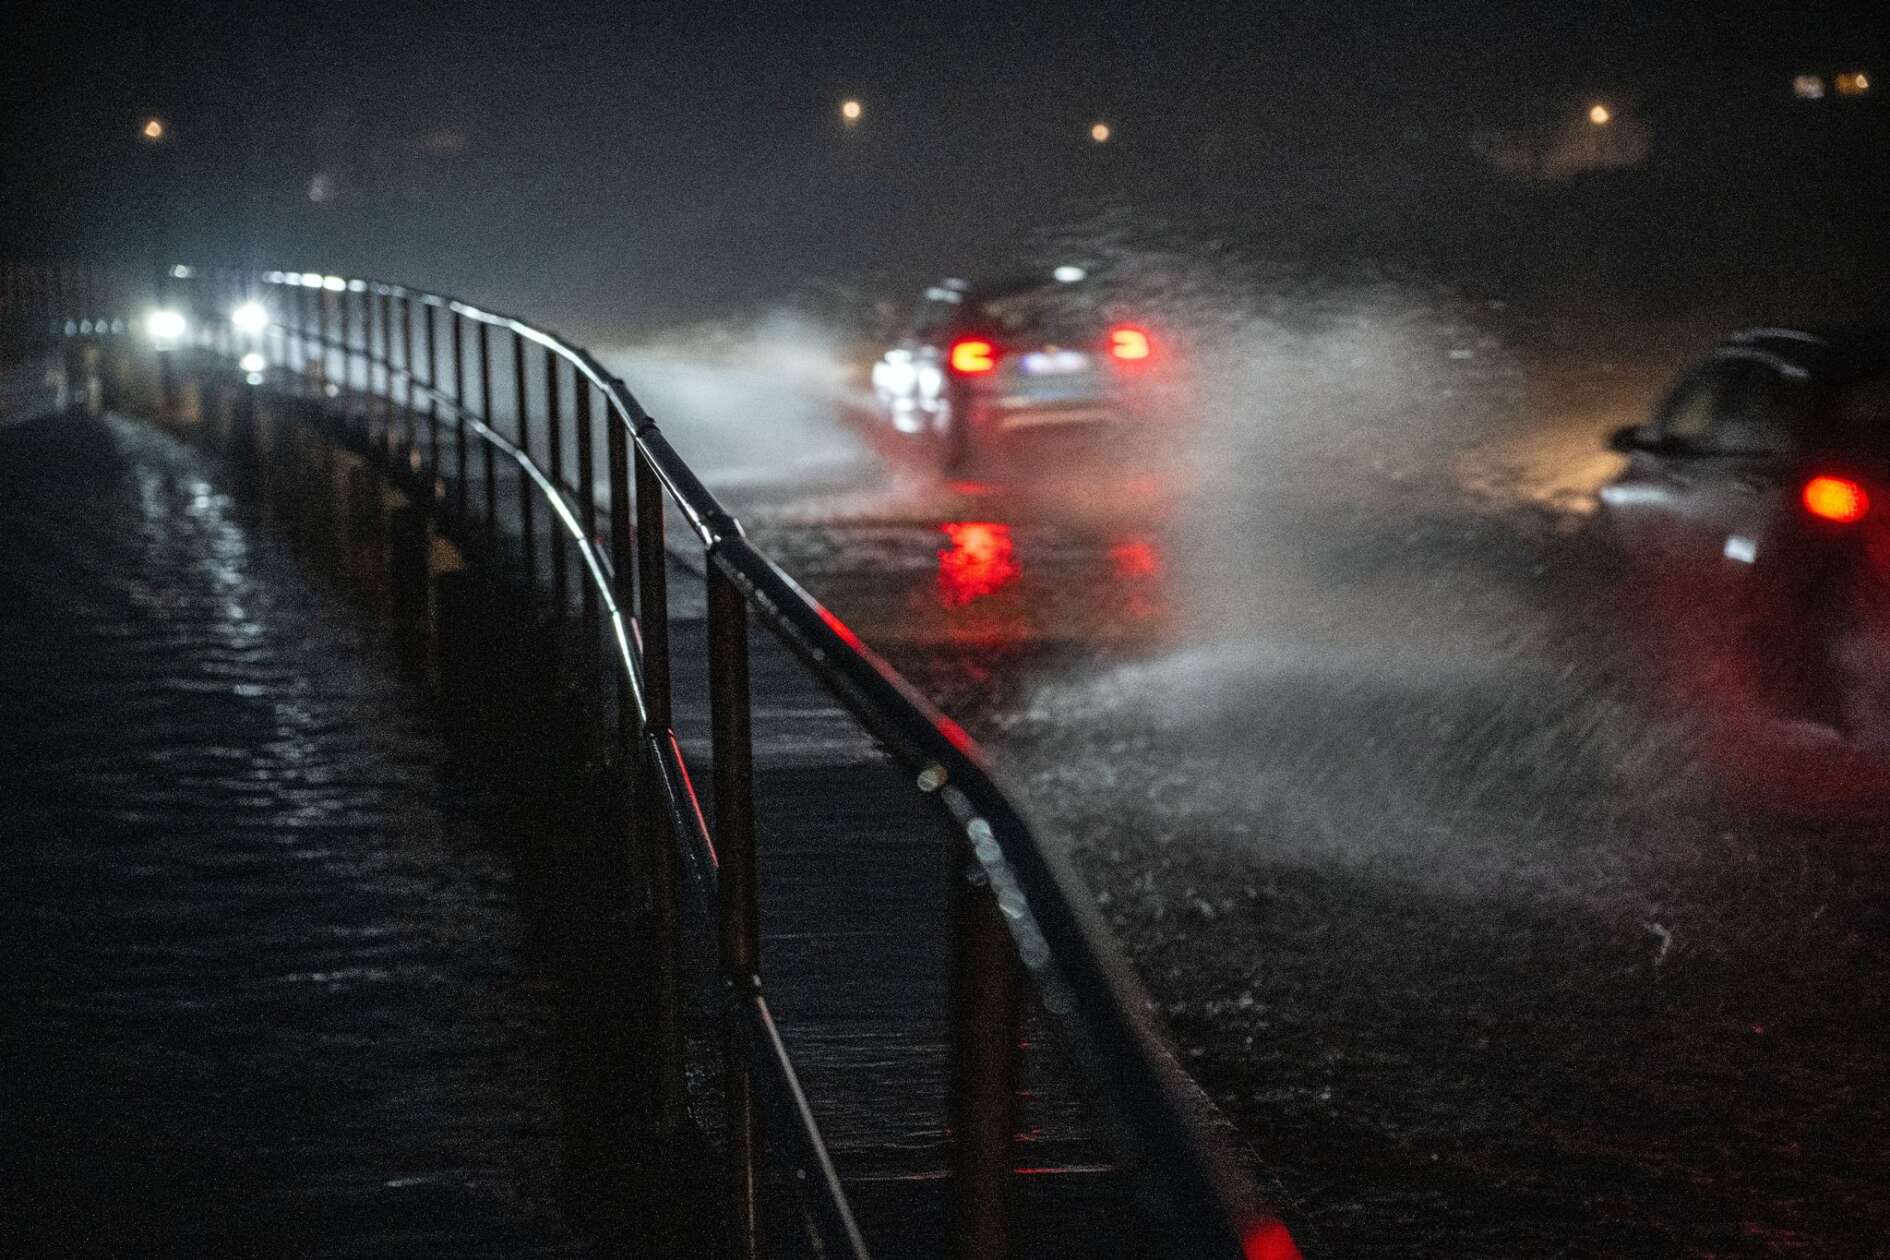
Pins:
x,y
266,990
1339,707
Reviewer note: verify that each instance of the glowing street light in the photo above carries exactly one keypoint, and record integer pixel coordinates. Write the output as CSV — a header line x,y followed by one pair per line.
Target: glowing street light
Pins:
x,y
1100,133
1600,115
153,130
850,112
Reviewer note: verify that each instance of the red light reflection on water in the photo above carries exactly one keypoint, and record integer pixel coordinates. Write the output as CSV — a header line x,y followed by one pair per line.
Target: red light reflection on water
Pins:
x,y
1136,558
981,560
1269,1240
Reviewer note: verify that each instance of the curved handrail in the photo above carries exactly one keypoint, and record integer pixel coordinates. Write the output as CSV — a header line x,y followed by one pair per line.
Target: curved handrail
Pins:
x,y
1192,1184
1206,1205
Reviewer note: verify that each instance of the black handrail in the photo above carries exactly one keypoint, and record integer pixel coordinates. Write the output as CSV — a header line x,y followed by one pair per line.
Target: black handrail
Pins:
x,y
1190,1182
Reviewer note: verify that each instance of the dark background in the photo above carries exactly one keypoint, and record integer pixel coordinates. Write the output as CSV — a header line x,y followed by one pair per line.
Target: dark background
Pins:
x,y
636,164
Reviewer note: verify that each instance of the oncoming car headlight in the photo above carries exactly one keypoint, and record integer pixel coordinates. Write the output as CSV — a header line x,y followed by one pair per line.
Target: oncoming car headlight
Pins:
x,y
165,326
250,317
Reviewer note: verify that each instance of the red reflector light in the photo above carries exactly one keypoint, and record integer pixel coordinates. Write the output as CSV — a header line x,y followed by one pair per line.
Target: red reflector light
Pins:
x,y
1836,499
972,356
1129,344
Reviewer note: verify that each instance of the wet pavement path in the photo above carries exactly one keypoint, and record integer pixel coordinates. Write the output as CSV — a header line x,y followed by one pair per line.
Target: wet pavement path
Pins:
x,y
264,987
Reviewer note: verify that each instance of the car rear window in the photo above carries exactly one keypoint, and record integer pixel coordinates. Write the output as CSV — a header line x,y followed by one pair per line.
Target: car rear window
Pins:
x,y
1050,310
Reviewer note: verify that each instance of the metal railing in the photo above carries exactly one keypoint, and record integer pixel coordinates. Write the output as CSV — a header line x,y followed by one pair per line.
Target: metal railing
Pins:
x,y
379,348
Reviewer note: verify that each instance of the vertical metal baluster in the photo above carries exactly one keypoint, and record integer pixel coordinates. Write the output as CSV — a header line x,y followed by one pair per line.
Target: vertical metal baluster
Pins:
x,y
386,376
652,583
347,301
282,305
433,408
554,430
366,393
985,992
622,562
489,454
408,392
344,363
739,922
305,304
459,424
587,510
528,542
652,592
321,347
305,308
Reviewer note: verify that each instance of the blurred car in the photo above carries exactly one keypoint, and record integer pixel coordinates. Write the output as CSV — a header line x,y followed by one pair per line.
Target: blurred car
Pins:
x,y
1755,506
980,368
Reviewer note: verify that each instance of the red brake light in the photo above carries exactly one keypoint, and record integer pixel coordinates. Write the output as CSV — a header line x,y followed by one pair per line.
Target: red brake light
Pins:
x,y
1836,499
1129,345
972,356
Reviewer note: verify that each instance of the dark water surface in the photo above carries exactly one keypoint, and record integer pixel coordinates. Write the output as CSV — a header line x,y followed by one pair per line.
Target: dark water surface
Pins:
x,y
263,985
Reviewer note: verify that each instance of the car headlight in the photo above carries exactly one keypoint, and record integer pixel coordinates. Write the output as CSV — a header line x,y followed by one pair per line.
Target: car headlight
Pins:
x,y
250,317
163,326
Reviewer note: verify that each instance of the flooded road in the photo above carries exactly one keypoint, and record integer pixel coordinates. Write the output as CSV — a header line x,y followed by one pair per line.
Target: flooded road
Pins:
x,y
1342,718
266,989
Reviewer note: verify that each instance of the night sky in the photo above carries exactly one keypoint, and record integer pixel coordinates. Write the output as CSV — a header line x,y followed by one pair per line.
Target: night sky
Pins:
x,y
665,161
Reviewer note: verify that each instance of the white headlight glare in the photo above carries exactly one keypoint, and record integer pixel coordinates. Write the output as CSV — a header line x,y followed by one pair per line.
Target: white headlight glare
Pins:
x,y
165,325
253,362
250,318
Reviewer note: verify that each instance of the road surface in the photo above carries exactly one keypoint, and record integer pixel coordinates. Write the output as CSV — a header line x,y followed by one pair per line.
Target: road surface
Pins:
x,y
1443,899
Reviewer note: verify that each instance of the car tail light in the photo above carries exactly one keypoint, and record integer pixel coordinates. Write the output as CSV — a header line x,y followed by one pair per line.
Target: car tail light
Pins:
x,y
972,356
1836,499
1129,345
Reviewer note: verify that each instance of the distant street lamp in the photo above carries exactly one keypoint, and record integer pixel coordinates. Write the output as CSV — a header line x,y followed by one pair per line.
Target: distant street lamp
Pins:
x,y
1600,116
1100,133
850,112
153,130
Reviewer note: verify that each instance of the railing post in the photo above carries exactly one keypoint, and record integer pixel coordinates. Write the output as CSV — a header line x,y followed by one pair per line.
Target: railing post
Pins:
x,y
984,1067
433,408
322,349
554,430
623,578
406,365
528,533
587,514
491,468
389,409
739,919
307,318
459,424
652,583
345,355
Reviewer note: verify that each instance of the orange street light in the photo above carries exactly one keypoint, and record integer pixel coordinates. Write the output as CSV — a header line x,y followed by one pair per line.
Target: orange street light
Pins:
x,y
1600,116
153,129
850,112
1100,133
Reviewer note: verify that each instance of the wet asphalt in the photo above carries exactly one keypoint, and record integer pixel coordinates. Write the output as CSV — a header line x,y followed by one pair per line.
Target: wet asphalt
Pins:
x,y
1439,875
